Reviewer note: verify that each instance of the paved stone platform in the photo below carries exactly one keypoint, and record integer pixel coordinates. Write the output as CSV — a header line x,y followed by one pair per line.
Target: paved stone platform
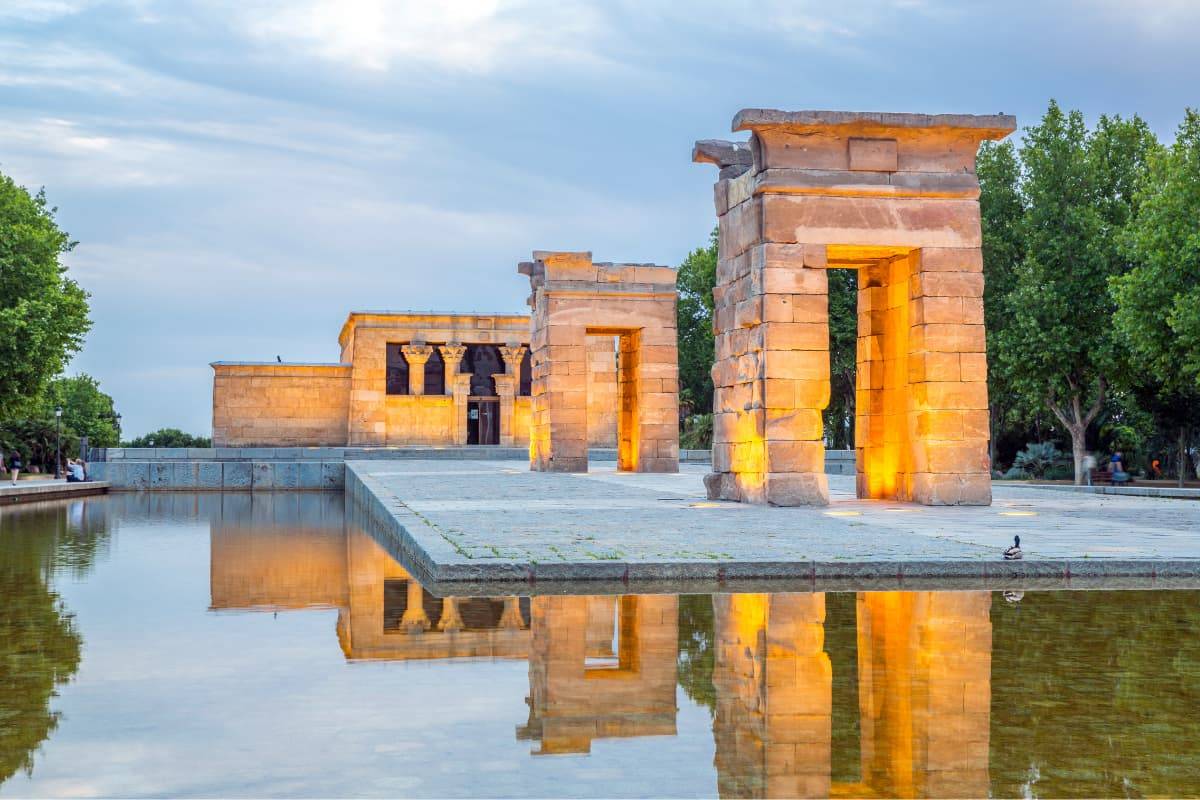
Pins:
x,y
495,520
32,491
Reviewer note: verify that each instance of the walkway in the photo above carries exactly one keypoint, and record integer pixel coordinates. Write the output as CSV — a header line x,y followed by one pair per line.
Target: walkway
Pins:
x,y
482,521
30,491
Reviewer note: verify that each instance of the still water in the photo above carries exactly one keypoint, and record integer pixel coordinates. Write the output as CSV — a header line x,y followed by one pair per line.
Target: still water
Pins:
x,y
239,645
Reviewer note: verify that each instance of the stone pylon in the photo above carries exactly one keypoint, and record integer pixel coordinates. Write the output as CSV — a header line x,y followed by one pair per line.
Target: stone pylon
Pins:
x,y
573,298
894,197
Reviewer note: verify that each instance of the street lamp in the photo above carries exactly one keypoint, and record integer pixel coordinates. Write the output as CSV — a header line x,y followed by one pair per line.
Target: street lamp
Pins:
x,y
117,418
58,441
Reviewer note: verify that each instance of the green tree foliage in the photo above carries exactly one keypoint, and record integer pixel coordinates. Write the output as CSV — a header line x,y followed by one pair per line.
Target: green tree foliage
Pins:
x,y
843,355
35,440
1057,348
40,645
697,649
1158,299
43,313
695,281
169,437
87,411
1002,209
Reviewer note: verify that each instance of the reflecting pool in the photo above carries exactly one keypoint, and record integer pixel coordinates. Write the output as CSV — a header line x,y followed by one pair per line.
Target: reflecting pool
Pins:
x,y
260,645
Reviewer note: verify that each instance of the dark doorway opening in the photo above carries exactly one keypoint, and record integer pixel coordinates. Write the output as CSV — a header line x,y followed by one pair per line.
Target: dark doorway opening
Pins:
x,y
483,420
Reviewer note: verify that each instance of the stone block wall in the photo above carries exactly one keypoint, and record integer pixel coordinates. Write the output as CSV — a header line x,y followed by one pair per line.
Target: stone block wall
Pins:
x,y
574,298
895,197
373,412
420,419
283,404
602,391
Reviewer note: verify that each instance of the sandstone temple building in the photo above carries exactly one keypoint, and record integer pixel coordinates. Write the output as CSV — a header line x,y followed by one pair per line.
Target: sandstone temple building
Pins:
x,y
405,378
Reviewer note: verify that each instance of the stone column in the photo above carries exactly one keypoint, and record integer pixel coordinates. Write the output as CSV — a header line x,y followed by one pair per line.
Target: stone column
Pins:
x,y
415,620
451,619
513,353
452,356
416,355
506,388
462,390
511,616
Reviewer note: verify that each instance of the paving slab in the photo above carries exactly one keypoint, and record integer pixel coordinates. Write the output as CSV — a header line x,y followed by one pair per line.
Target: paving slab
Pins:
x,y
485,521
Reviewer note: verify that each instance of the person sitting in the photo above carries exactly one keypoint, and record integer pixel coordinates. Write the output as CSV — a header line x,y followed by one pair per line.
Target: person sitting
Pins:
x,y
1117,468
74,471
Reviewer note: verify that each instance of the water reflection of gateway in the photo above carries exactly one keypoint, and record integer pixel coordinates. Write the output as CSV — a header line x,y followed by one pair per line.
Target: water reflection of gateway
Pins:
x,y
917,709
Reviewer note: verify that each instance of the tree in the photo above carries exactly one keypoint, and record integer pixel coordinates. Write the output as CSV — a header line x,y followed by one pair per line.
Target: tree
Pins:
x,y
1158,299
843,356
695,280
169,437
1002,208
1058,349
87,411
43,313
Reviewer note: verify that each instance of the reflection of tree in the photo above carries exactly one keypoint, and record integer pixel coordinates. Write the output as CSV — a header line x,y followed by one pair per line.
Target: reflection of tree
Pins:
x,y
1095,694
39,644
696,649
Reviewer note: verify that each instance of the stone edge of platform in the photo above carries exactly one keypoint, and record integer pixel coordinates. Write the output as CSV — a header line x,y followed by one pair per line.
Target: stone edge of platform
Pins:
x,y
1164,492
12,495
434,559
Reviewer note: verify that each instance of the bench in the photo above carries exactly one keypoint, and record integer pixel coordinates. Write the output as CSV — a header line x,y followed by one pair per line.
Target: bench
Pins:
x,y
1102,477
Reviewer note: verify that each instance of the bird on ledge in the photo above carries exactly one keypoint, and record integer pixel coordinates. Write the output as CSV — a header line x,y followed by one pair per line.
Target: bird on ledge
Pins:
x,y
1013,553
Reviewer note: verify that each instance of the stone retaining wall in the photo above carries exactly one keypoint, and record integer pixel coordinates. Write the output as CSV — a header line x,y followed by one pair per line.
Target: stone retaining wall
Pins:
x,y
307,468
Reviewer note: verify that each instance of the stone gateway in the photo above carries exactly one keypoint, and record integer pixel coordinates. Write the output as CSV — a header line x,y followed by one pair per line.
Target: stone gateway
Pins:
x,y
894,197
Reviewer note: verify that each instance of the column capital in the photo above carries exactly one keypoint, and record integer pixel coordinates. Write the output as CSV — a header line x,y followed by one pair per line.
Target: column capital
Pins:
x,y
416,354
453,352
512,355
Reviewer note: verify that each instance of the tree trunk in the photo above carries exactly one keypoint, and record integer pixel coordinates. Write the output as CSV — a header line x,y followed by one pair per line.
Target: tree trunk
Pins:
x,y
1078,450
1181,452
992,436
1076,420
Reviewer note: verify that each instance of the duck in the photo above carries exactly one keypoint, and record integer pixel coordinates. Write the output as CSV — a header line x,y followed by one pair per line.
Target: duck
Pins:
x,y
1013,553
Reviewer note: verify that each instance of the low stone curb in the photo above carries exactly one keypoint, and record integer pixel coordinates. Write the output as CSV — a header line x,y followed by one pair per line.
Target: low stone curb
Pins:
x,y
421,547
1170,492
32,492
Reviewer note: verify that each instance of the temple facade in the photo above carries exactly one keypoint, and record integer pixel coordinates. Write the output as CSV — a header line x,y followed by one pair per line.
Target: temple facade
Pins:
x,y
404,378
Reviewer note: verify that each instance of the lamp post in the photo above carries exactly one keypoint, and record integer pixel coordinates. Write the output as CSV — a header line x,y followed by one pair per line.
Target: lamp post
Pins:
x,y
117,419
58,441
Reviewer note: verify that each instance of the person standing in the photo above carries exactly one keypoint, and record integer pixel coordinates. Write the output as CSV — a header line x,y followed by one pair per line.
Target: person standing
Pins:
x,y
14,466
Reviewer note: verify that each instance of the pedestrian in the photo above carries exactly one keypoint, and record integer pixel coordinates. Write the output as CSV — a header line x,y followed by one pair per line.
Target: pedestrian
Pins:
x,y
1156,469
1117,468
14,466
74,471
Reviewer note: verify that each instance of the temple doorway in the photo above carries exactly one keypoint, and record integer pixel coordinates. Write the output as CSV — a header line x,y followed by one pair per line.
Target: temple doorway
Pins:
x,y
483,420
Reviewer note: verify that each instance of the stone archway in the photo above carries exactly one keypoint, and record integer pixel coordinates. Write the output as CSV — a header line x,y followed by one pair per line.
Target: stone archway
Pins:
x,y
895,197
574,298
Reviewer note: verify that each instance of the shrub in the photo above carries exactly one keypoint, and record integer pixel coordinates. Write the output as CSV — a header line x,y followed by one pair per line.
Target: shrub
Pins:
x,y
1037,458
697,432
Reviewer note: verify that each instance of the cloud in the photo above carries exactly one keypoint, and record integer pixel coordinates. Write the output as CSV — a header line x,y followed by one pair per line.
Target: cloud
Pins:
x,y
475,37
40,10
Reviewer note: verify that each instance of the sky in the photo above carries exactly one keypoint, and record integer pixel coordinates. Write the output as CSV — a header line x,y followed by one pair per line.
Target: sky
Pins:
x,y
240,174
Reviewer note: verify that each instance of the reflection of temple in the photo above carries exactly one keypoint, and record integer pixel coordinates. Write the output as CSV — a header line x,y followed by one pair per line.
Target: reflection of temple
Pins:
x,y
601,667
924,672
382,612
897,704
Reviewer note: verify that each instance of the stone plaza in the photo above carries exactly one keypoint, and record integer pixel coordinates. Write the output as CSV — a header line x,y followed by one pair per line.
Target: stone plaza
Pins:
x,y
609,525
